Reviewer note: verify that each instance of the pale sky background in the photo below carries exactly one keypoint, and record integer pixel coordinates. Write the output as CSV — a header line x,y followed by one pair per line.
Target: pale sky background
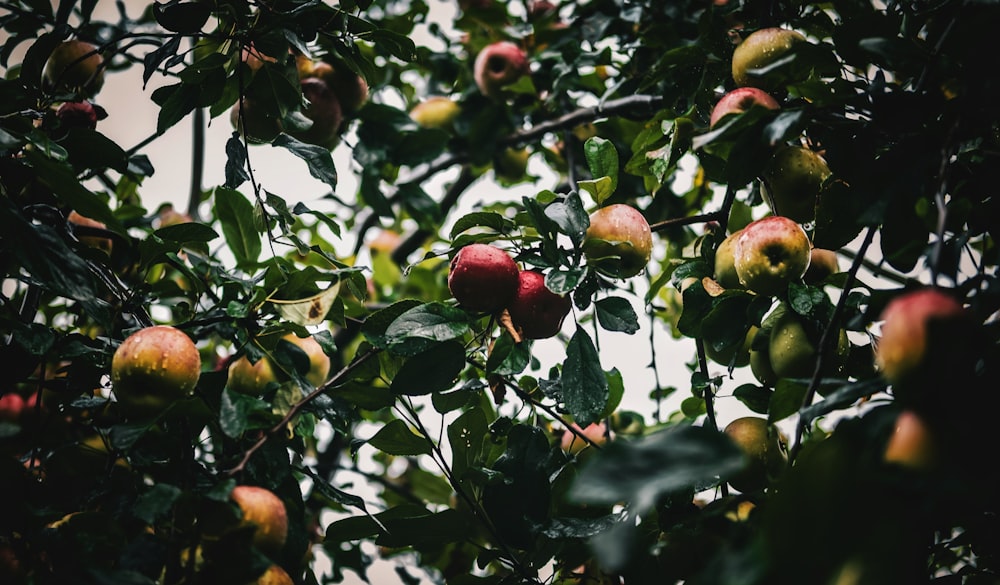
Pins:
x,y
132,118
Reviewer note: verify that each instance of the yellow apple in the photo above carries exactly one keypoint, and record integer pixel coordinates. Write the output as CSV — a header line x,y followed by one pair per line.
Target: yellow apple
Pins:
x,y
252,378
770,253
74,65
912,443
436,112
725,262
153,368
266,513
761,443
760,49
793,348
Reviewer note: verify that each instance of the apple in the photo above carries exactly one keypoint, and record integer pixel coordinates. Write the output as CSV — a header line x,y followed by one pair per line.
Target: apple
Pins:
x,y
822,265
80,114
168,216
97,242
792,181
737,355
153,368
762,444
535,310
266,513
254,58
618,242
511,164
76,66
498,65
912,443
350,88
770,253
760,360
324,110
11,407
793,348
912,342
252,378
385,242
760,49
483,278
274,575
256,125
725,262
437,111
740,100
572,444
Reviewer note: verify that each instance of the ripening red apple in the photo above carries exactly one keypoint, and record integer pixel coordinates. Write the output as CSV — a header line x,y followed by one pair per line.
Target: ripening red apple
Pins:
x,y
323,110
498,65
274,575
792,181
761,48
762,444
254,58
572,444
725,262
350,88
822,265
97,242
266,513
770,253
80,114
252,378
912,443
740,100
618,242
483,278
907,350
153,368
11,407
437,111
535,310
76,66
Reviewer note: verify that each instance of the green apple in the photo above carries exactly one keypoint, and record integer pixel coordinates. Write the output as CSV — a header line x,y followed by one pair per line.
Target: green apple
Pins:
x,y
740,100
618,242
761,443
770,253
266,513
761,48
793,348
76,66
153,368
737,355
725,262
907,351
483,278
436,112
792,181
535,310
252,378
511,164
498,65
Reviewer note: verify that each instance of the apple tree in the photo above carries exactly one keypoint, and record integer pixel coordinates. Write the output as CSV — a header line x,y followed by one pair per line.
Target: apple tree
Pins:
x,y
793,201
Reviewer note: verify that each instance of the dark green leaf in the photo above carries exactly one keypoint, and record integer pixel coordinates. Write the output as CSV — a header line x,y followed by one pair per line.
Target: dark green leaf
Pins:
x,y
395,438
616,314
488,219
318,159
585,387
182,17
602,159
430,371
236,214
156,503
570,216
434,322
239,413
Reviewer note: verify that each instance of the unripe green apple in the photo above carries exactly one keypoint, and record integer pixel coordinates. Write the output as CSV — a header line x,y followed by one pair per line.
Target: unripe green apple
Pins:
x,y
761,443
912,443
153,368
535,310
618,242
760,49
266,513
74,65
770,253
822,265
725,262
498,65
740,100
907,351
793,348
792,181
252,378
738,354
760,360
483,278
436,112
511,164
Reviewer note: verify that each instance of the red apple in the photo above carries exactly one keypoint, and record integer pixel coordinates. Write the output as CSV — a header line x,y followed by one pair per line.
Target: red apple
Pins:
x,y
740,100
266,513
153,368
350,88
792,181
483,278
498,65
80,114
912,444
323,110
760,49
535,310
618,242
76,66
907,351
572,444
11,407
770,253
